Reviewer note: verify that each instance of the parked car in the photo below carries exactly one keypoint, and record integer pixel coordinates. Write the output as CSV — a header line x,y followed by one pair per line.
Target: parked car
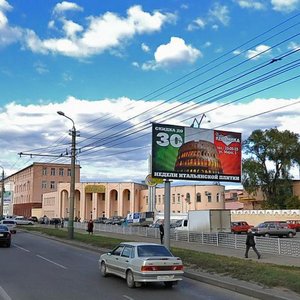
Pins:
x,y
142,262
33,219
100,220
22,221
11,224
117,220
294,224
240,227
273,229
5,235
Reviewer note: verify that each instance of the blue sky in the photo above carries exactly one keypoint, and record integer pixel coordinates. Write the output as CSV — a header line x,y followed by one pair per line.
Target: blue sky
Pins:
x,y
98,60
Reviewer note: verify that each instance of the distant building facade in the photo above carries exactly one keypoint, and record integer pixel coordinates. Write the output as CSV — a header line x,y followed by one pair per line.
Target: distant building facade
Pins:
x,y
107,199
28,185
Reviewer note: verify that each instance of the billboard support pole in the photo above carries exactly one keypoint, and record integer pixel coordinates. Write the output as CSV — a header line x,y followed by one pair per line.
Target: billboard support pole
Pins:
x,y
167,213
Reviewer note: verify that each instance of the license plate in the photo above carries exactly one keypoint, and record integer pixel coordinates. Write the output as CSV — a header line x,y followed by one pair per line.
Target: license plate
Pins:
x,y
166,277
1,234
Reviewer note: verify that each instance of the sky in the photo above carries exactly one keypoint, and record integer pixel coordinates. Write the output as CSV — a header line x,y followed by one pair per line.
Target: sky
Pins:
x,y
113,67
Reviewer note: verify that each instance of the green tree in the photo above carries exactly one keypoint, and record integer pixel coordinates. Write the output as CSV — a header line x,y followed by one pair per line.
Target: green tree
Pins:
x,y
270,154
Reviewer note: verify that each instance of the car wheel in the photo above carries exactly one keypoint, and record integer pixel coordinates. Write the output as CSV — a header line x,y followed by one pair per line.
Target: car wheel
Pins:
x,y
103,269
290,235
130,279
267,235
168,284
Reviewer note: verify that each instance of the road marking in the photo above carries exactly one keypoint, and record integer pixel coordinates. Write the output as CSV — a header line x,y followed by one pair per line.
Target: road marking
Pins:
x,y
22,248
4,295
127,297
51,261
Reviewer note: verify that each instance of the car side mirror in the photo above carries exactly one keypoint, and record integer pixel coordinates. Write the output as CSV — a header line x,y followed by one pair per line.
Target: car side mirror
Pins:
x,y
109,253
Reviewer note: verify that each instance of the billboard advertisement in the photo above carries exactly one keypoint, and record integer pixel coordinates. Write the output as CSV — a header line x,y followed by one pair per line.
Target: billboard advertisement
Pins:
x,y
187,153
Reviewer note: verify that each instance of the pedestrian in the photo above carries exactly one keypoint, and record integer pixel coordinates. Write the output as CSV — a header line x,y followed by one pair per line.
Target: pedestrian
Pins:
x,y
90,227
161,232
250,243
62,222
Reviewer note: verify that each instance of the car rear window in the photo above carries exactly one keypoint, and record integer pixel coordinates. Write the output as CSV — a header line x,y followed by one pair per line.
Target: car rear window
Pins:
x,y
8,222
153,250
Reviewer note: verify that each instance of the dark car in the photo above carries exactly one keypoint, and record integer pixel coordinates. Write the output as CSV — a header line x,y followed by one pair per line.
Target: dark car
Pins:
x,y
5,236
33,219
100,220
55,221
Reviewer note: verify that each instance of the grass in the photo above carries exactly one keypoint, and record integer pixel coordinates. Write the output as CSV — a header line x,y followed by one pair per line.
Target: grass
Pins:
x,y
269,275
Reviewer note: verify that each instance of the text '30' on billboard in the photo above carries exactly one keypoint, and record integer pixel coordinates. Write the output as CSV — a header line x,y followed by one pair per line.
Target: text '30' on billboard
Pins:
x,y
187,153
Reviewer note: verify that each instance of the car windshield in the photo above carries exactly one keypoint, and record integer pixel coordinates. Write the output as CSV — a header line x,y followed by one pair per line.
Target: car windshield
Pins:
x,y
3,228
153,250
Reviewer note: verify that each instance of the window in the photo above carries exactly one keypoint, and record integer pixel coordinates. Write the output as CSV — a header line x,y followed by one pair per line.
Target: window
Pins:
x,y
188,198
61,171
69,172
44,171
159,199
208,197
173,198
44,184
117,251
127,251
52,185
52,172
218,197
198,197
178,198
147,201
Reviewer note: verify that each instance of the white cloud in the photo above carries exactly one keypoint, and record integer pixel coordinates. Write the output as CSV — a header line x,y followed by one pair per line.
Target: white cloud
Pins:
x,y
250,4
176,52
220,13
38,126
145,47
285,5
258,52
41,68
8,34
106,32
65,6
196,24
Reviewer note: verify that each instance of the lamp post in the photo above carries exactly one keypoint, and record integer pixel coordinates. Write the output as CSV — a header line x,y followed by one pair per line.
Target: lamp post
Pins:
x,y
2,193
72,183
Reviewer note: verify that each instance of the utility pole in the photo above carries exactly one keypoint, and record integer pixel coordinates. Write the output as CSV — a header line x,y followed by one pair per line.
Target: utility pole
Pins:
x,y
2,193
72,183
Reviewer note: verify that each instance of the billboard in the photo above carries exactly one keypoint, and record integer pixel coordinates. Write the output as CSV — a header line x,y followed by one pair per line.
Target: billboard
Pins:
x,y
187,153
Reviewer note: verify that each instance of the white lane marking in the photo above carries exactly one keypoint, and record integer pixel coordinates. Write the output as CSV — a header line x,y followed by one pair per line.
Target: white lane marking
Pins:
x,y
127,297
22,248
4,295
51,261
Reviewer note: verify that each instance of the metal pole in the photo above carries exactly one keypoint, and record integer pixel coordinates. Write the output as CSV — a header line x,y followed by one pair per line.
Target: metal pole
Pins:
x,y
72,186
167,213
72,183
2,193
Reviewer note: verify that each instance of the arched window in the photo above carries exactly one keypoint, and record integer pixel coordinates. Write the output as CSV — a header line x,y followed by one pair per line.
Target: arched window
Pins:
x,y
188,197
198,197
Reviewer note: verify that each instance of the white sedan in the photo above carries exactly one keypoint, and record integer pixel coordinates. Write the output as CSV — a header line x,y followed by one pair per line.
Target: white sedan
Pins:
x,y
11,225
142,262
22,221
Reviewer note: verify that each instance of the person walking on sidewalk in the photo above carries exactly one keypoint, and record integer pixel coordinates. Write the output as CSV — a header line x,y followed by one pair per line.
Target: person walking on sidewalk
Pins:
x,y
250,243
90,227
161,232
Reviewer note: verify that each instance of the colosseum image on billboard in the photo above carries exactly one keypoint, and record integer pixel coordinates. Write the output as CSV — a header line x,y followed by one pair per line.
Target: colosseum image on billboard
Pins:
x,y
187,153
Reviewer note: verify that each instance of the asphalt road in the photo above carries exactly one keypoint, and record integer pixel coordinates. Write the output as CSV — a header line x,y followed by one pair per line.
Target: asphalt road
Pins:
x,y
39,268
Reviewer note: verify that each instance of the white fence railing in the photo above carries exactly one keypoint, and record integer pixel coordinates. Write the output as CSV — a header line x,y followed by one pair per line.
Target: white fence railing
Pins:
x,y
286,247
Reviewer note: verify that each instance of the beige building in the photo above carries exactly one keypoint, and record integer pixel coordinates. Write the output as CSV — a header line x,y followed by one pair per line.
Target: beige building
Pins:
x,y
100,199
29,184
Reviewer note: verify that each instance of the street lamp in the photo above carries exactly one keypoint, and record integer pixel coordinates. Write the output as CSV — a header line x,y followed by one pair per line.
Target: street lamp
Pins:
x,y
72,183
2,193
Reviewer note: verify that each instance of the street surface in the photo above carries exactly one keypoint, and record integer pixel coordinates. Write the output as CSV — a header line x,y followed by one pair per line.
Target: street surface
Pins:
x,y
37,268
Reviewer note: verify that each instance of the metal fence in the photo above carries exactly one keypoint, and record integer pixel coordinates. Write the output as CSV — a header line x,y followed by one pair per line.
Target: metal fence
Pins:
x,y
278,246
